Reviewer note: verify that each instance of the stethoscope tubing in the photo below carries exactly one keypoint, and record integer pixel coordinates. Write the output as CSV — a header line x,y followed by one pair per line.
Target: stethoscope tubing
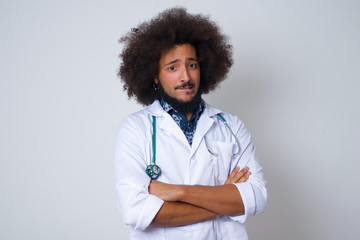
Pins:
x,y
153,175
154,140
232,133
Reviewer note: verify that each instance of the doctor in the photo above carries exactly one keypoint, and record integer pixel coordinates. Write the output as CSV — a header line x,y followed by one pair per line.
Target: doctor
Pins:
x,y
183,169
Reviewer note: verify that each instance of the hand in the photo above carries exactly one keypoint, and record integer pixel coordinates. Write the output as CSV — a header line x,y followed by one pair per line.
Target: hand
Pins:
x,y
237,176
167,192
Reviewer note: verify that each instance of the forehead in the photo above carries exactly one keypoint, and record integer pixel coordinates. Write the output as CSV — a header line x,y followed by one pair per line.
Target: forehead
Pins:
x,y
180,52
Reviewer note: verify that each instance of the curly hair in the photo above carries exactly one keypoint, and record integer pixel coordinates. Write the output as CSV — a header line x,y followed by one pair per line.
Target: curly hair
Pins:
x,y
144,45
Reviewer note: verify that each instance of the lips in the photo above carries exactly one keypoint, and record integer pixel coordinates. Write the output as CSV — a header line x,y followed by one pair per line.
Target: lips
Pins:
x,y
187,85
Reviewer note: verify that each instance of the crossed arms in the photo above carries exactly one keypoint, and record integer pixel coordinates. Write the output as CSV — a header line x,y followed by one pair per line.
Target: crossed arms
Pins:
x,y
187,204
159,204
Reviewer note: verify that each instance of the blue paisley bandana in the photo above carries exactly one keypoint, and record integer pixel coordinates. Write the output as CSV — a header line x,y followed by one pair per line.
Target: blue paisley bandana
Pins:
x,y
188,127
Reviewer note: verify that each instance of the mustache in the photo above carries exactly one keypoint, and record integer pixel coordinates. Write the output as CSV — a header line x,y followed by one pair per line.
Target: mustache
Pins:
x,y
187,84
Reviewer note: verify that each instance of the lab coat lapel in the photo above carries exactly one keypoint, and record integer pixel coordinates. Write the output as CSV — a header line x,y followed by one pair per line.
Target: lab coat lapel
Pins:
x,y
204,124
166,123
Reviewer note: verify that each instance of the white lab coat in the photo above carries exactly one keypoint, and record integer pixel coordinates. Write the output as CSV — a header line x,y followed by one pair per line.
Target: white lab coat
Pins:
x,y
183,164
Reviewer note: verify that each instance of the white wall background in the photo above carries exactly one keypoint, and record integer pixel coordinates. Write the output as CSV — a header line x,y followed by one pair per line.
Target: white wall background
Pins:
x,y
295,84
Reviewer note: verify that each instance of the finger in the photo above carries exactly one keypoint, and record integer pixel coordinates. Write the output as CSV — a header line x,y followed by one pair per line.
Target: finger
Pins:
x,y
245,177
236,175
234,171
241,174
232,177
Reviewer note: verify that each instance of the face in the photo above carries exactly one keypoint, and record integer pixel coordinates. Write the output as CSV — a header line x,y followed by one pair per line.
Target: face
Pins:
x,y
179,72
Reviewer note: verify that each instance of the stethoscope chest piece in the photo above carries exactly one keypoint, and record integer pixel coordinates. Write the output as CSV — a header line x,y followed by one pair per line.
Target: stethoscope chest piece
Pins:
x,y
153,171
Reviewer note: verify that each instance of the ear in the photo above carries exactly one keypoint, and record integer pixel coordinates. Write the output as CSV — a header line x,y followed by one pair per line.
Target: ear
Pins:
x,y
156,80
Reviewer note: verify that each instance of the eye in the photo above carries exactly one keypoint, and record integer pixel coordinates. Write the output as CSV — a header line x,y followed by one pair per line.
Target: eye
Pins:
x,y
192,65
172,68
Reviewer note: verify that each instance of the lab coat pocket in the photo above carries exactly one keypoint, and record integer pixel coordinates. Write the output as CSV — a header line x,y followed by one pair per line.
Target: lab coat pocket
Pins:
x,y
222,161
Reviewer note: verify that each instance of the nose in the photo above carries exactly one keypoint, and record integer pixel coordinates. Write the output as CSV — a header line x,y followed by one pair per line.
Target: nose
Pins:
x,y
185,75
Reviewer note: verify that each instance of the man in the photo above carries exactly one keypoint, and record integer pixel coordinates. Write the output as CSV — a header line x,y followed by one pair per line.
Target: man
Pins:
x,y
183,169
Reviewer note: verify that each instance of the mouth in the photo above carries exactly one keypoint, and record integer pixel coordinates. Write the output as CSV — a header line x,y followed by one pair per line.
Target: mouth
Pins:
x,y
185,86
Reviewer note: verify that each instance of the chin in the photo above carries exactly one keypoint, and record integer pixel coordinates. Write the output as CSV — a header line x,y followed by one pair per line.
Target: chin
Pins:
x,y
185,100
182,102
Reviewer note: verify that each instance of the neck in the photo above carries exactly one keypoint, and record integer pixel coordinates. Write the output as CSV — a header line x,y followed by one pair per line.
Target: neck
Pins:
x,y
188,115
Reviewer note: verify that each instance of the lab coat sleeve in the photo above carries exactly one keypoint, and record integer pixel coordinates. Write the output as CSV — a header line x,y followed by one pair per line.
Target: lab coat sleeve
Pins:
x,y
137,206
253,192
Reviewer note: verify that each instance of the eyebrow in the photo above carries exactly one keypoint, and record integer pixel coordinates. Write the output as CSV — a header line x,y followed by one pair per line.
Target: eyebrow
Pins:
x,y
176,60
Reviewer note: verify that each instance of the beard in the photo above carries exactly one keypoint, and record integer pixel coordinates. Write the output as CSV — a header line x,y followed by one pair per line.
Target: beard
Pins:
x,y
182,106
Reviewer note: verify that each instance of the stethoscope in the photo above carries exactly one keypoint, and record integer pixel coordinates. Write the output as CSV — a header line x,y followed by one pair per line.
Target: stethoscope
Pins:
x,y
153,170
